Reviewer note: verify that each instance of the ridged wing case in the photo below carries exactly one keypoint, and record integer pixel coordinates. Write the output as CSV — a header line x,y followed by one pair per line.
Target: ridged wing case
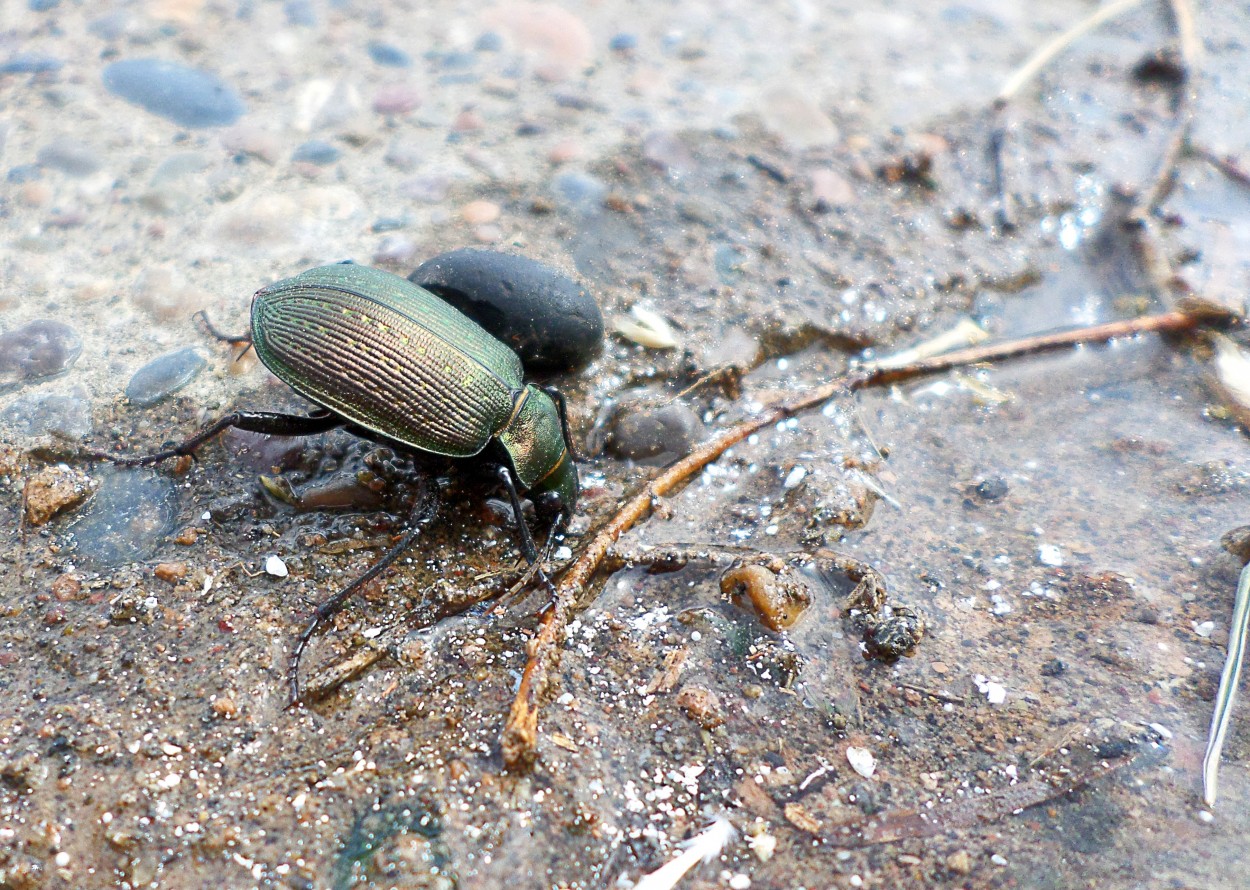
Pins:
x,y
388,356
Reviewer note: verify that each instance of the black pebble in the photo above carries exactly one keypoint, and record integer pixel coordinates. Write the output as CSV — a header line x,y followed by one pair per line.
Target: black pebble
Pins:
x,y
551,320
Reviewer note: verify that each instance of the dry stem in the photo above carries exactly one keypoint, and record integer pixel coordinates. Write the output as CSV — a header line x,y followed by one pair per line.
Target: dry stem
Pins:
x,y
520,737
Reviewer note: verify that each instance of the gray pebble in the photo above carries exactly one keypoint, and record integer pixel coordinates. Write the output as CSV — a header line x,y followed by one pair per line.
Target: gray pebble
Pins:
x,y
729,262
31,63
164,376
125,519
654,433
41,414
300,13
489,42
623,42
580,191
390,223
388,55
395,250
69,157
187,96
111,26
317,152
39,348
24,173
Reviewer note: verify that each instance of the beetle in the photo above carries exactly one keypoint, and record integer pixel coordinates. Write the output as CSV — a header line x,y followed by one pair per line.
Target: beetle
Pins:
x,y
390,361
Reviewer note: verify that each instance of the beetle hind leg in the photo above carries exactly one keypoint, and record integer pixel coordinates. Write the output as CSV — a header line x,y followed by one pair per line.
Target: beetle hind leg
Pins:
x,y
269,422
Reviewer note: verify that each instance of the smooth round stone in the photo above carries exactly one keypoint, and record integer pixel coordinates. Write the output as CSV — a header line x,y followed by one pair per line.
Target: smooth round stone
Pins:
x,y
580,191
125,520
388,55
187,96
300,13
489,42
623,42
23,173
31,63
41,414
164,376
548,318
39,348
655,432
69,157
317,152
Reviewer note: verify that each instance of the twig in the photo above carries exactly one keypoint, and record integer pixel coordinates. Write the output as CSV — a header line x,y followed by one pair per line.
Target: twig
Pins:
x,y
519,742
1227,164
934,693
1043,57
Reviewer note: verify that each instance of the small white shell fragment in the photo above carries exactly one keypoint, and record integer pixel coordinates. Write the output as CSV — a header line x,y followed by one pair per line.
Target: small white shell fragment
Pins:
x,y
995,693
862,761
563,553
276,567
763,846
794,477
1049,555
647,328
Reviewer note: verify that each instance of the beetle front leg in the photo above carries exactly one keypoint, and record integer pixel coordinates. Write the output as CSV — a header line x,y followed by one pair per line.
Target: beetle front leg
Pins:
x,y
268,422
528,549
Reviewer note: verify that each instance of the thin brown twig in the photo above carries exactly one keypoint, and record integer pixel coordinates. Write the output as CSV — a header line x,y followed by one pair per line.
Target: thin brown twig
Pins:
x,y
519,742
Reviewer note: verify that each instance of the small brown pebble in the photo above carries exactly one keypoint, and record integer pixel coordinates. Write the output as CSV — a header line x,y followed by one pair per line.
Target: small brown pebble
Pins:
x,y
467,121
617,203
173,572
959,862
187,536
778,600
564,151
66,588
542,206
54,616
457,769
479,213
52,490
801,819
396,99
701,705
939,667
225,708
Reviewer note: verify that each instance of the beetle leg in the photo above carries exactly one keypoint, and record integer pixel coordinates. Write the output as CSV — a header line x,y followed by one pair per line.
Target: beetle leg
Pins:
x,y
269,422
527,540
423,511
233,340
528,548
558,398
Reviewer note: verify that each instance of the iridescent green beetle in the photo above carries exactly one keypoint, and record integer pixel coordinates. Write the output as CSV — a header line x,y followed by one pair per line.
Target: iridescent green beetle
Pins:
x,y
390,361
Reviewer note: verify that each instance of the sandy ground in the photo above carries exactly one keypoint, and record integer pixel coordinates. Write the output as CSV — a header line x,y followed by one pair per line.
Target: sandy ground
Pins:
x,y
792,186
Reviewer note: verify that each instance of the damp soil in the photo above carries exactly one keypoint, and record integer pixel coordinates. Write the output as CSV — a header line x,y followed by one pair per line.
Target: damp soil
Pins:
x,y
1056,520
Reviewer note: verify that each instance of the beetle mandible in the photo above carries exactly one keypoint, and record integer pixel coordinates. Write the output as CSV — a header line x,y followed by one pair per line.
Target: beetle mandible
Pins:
x,y
389,361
